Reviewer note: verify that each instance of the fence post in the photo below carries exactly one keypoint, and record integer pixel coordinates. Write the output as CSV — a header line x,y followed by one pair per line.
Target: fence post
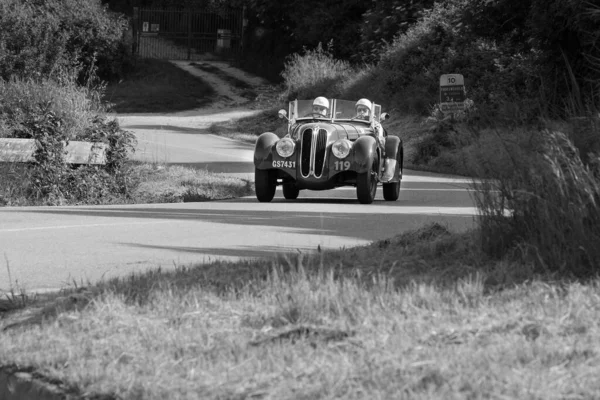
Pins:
x,y
135,29
189,41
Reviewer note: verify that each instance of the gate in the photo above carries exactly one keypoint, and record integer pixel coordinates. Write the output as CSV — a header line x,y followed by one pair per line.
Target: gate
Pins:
x,y
187,34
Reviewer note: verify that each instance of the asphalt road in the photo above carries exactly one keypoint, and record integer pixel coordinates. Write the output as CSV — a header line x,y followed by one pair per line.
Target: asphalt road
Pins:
x,y
46,248
50,247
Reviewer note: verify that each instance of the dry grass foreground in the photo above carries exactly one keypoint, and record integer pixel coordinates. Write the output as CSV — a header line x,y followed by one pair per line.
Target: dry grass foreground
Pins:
x,y
413,317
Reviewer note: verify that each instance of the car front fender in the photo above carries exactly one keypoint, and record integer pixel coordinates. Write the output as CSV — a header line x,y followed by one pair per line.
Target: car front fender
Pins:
x,y
394,150
263,146
392,146
364,150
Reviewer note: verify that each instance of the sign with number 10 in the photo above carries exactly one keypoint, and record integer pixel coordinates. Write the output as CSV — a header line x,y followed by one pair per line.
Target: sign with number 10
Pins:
x,y
452,92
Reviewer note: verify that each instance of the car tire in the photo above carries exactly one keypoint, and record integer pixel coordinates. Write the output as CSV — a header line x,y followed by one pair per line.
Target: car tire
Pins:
x,y
391,191
290,191
366,183
265,183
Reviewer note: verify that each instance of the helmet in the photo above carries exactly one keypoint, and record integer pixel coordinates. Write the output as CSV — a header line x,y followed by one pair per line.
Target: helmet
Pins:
x,y
364,102
321,101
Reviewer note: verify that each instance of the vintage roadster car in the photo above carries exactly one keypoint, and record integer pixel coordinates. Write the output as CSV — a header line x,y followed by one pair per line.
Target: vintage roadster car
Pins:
x,y
321,152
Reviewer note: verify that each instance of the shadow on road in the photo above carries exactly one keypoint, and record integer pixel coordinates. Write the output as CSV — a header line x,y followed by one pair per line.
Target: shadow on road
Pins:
x,y
240,251
380,223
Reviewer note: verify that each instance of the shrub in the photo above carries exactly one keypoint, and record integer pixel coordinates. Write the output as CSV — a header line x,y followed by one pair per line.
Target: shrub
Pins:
x,y
55,114
385,20
543,203
73,105
60,39
314,73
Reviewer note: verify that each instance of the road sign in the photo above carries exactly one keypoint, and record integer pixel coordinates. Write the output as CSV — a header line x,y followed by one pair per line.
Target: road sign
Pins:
x,y
452,92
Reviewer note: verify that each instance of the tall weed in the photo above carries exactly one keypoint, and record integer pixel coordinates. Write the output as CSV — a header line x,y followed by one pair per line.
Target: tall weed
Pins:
x,y
542,203
74,105
314,73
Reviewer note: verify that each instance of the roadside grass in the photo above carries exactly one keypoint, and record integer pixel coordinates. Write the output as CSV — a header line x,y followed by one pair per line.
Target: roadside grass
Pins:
x,y
423,323
146,183
158,86
159,183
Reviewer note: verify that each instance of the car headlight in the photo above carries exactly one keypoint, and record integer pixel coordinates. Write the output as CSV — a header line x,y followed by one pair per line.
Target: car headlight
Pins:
x,y
341,148
285,147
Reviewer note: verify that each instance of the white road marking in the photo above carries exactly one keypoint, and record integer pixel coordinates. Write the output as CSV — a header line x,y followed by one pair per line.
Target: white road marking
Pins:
x,y
41,228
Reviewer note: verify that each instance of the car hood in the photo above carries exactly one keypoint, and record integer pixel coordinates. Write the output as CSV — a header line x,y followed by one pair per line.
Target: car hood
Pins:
x,y
335,131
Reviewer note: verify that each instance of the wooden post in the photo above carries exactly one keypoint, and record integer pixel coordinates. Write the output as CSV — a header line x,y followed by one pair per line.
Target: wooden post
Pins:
x,y
189,41
135,28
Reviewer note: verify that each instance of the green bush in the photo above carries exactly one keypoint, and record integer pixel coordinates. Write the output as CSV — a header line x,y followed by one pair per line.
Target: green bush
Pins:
x,y
315,73
55,114
60,39
543,203
385,20
73,105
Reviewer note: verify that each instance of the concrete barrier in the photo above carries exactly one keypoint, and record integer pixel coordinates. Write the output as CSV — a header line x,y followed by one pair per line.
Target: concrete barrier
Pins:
x,y
22,150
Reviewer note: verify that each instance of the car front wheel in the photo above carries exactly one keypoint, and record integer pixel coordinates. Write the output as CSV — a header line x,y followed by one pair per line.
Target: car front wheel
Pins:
x,y
290,191
366,183
265,183
391,191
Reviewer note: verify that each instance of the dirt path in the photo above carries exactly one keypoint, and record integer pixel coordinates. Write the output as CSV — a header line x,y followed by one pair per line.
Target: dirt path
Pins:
x,y
239,94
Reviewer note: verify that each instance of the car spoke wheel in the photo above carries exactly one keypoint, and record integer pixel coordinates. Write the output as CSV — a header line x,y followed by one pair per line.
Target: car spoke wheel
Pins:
x,y
265,183
290,191
391,191
366,184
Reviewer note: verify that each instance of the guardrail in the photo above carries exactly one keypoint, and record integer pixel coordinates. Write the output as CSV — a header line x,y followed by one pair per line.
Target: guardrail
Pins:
x,y
22,150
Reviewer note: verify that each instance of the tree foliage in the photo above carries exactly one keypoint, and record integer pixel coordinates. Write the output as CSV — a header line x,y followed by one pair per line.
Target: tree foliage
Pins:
x,y
59,37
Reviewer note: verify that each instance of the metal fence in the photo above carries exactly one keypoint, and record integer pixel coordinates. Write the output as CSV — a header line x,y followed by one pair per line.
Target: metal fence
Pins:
x,y
188,34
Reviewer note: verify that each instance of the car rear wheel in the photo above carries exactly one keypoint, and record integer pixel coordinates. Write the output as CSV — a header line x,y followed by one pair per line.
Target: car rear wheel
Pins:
x,y
391,191
290,191
366,183
265,183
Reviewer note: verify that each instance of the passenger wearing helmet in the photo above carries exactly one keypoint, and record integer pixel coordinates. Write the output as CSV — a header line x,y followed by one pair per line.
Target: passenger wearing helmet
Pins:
x,y
321,106
363,109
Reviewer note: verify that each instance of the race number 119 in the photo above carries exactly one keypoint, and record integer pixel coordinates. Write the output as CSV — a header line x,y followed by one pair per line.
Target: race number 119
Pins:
x,y
341,165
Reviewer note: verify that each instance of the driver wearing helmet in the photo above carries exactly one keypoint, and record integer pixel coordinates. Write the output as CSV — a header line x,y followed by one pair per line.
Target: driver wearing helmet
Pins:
x,y
321,106
363,109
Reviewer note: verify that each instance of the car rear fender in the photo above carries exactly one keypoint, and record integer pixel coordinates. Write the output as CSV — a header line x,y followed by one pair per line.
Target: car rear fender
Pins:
x,y
263,147
364,150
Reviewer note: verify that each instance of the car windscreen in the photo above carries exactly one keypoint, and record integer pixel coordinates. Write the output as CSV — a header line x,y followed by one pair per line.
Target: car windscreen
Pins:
x,y
346,110
305,110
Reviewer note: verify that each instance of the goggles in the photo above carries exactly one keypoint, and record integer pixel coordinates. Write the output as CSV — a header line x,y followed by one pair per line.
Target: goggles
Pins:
x,y
319,109
362,109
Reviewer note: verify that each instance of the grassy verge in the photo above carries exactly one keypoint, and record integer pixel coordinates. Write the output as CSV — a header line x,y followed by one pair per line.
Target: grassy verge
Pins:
x,y
158,86
147,183
417,316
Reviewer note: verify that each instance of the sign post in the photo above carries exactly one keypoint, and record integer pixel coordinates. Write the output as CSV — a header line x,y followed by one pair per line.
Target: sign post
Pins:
x,y
452,93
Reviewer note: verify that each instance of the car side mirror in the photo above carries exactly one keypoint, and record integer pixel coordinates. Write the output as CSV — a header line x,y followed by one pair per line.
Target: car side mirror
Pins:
x,y
282,114
384,116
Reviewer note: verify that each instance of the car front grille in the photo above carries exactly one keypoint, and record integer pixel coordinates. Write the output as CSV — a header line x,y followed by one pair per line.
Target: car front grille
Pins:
x,y
313,152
